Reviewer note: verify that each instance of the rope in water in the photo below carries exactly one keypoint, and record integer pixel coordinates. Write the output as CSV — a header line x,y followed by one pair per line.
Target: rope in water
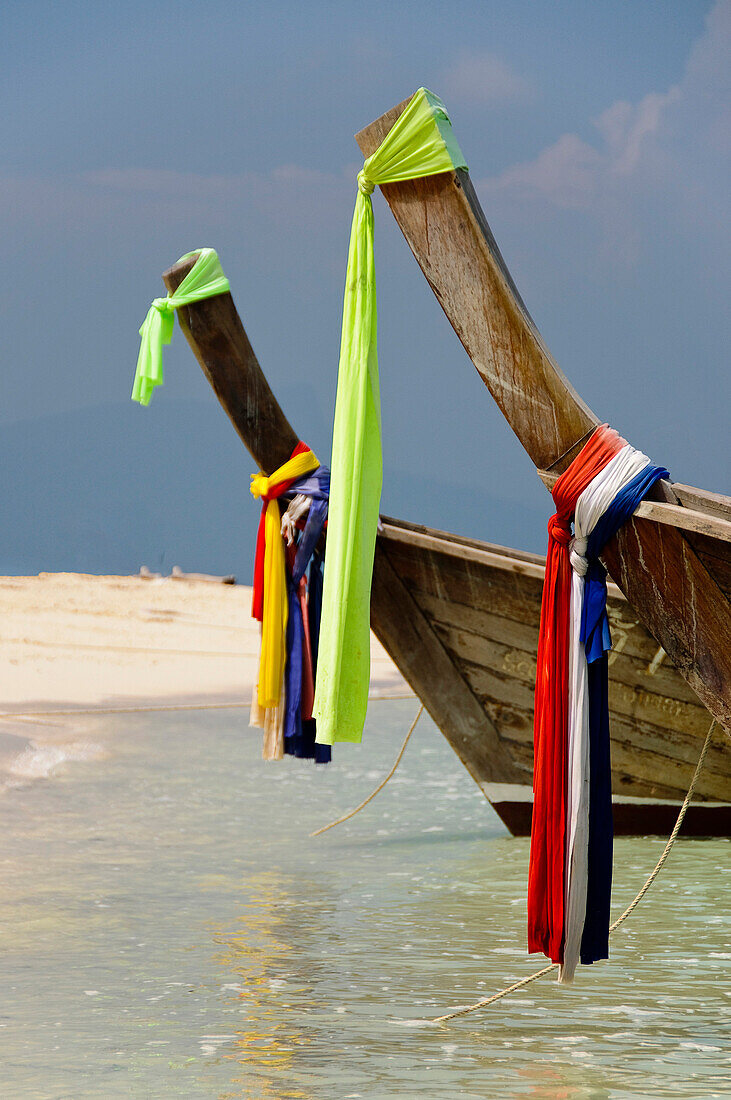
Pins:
x,y
380,786
151,707
620,920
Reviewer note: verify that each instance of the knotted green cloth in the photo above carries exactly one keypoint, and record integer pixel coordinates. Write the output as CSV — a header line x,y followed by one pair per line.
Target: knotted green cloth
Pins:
x,y
420,143
204,280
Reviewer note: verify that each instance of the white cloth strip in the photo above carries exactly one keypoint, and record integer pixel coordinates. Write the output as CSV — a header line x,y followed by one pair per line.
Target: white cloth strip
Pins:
x,y
298,508
590,507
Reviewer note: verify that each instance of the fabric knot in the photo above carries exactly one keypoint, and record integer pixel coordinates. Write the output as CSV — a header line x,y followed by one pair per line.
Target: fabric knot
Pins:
x,y
577,549
559,530
259,486
163,305
365,186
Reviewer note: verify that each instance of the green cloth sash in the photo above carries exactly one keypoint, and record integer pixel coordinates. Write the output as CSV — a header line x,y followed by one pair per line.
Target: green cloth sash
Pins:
x,y
204,280
420,143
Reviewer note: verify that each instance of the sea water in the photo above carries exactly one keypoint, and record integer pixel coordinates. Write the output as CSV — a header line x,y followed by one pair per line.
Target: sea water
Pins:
x,y
169,929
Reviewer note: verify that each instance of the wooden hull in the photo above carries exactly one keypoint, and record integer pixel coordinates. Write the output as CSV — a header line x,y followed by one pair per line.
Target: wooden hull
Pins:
x,y
641,818
480,604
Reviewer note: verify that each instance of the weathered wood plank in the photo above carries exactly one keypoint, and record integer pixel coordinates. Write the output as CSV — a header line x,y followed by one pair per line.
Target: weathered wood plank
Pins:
x,y
416,534
716,558
644,763
479,649
446,230
658,570
680,604
479,586
642,766
702,500
627,633
407,637
480,555
510,689
219,342
709,523
470,584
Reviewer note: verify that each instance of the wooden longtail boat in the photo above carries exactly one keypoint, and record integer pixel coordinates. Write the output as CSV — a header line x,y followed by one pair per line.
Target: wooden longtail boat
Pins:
x,y
460,619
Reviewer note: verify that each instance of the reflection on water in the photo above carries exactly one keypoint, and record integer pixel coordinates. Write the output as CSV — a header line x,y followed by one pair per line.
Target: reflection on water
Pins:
x,y
169,929
257,949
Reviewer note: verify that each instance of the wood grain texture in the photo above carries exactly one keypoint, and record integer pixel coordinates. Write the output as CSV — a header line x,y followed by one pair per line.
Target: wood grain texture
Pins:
x,y
680,603
424,662
706,521
660,688
702,500
716,558
446,230
674,592
219,342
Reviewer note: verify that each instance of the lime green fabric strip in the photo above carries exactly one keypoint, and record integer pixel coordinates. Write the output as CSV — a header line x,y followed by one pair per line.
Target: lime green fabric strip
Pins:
x,y
420,143
204,280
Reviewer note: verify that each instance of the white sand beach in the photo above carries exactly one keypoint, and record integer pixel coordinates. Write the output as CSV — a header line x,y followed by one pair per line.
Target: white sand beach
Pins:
x,y
74,643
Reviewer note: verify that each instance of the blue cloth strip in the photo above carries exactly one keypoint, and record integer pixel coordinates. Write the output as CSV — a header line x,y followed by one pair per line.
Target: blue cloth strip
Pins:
x,y
293,673
594,623
310,538
299,735
595,936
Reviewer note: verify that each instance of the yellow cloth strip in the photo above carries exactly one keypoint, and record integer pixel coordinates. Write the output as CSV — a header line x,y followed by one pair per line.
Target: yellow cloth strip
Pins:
x,y
274,618
293,468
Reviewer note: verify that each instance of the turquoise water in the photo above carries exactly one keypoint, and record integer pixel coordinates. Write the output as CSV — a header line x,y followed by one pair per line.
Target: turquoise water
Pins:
x,y
169,930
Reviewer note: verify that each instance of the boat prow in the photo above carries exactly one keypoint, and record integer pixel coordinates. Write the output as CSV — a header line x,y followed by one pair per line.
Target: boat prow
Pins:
x,y
673,559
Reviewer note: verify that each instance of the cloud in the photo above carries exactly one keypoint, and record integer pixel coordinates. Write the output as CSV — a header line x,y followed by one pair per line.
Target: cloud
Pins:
x,y
564,174
484,80
286,192
288,196
667,146
626,129
572,173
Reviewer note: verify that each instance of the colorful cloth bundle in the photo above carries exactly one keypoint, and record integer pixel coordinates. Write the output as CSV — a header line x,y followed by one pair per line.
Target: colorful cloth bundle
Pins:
x,y
569,882
282,703
284,694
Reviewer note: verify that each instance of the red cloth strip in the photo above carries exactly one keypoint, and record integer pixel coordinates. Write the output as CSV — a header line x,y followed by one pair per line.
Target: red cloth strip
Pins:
x,y
257,599
550,720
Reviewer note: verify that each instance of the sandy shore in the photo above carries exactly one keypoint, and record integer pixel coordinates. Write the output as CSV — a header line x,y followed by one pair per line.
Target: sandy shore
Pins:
x,y
78,643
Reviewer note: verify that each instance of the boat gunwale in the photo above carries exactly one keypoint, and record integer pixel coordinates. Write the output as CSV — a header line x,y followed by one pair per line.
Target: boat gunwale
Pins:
x,y
483,553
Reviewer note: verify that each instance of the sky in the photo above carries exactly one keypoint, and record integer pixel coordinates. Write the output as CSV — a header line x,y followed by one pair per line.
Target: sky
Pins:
x,y
598,139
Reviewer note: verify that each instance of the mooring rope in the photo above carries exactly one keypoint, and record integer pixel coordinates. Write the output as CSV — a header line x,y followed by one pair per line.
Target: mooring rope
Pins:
x,y
143,709
620,920
380,786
